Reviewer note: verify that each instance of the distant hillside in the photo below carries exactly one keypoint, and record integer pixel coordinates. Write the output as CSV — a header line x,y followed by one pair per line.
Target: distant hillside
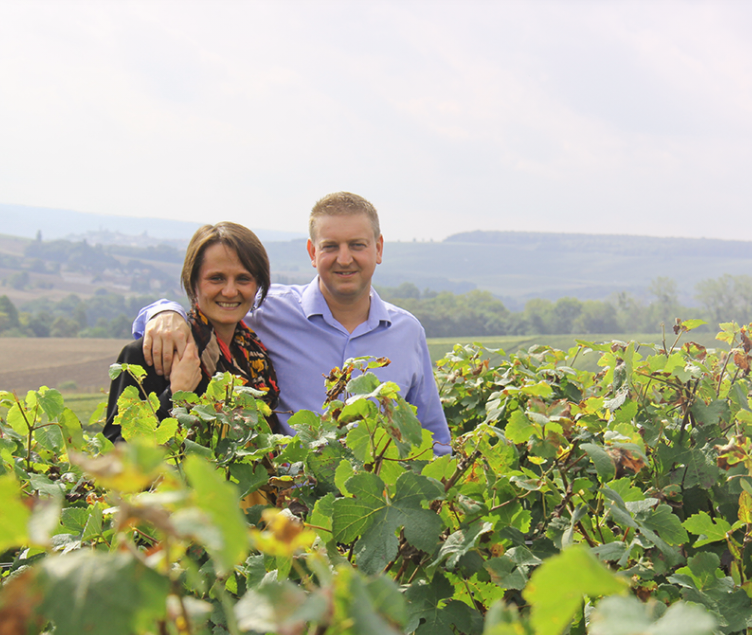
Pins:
x,y
612,244
514,266
517,266
520,266
26,221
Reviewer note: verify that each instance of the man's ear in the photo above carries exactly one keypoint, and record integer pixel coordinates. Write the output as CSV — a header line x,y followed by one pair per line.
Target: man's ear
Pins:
x,y
311,252
379,249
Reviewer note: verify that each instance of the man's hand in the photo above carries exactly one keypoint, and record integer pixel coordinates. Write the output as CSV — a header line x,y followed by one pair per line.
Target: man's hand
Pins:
x,y
186,370
166,334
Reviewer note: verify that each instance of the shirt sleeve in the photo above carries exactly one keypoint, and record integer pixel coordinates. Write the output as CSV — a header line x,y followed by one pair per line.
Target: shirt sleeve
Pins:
x,y
425,396
148,312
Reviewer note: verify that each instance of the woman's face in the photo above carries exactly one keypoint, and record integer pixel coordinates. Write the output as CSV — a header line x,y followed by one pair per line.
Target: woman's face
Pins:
x,y
225,289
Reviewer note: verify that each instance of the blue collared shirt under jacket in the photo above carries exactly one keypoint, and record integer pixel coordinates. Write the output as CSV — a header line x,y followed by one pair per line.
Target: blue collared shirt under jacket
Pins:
x,y
305,342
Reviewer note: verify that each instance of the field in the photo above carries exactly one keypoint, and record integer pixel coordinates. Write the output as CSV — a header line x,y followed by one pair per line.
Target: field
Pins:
x,y
65,363
77,367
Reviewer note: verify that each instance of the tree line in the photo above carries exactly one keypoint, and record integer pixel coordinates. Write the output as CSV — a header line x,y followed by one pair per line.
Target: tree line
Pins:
x,y
102,315
443,314
480,313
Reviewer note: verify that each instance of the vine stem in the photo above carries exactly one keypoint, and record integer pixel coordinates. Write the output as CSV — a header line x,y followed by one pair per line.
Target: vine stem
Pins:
x,y
31,431
462,467
687,415
585,534
318,527
304,576
576,355
379,461
723,371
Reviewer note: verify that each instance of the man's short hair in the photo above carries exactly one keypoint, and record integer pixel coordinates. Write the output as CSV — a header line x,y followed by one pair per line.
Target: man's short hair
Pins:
x,y
241,240
343,204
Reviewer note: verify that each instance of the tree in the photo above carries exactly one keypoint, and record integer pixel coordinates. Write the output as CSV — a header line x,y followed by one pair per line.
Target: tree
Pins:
x,y
539,315
8,314
596,318
19,280
564,314
64,327
727,298
665,308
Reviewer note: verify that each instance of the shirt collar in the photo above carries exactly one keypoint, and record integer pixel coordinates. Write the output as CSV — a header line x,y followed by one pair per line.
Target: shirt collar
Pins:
x,y
314,303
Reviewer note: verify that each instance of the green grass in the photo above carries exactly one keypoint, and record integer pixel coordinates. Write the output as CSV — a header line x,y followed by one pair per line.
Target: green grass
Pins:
x,y
439,346
84,405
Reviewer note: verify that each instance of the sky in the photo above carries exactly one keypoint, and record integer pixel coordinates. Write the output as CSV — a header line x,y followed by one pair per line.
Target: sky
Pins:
x,y
604,117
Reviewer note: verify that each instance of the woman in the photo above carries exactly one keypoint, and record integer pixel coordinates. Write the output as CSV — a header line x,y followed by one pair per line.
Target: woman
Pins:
x,y
225,267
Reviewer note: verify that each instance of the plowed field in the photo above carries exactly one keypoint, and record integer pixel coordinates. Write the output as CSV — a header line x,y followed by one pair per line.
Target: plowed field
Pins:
x,y
28,363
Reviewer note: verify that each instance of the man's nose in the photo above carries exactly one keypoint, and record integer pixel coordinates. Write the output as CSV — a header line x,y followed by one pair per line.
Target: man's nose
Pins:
x,y
344,256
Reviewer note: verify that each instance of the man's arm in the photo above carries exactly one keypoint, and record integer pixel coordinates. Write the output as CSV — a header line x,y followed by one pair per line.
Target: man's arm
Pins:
x,y
165,332
148,312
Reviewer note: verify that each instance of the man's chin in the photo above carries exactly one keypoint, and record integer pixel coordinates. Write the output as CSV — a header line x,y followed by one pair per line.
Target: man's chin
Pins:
x,y
347,291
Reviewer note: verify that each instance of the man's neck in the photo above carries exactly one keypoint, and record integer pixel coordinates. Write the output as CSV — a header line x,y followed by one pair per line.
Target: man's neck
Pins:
x,y
351,313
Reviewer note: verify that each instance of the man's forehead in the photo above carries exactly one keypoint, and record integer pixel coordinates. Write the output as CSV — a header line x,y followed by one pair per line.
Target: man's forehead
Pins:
x,y
334,227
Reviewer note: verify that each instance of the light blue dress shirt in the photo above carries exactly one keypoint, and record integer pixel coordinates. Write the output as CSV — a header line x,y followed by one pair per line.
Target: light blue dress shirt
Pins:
x,y
305,342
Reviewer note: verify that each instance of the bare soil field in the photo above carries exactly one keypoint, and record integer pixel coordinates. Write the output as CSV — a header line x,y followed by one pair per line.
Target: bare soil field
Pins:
x,y
28,363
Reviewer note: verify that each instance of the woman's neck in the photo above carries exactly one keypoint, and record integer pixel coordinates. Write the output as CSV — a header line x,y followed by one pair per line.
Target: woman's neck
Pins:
x,y
224,332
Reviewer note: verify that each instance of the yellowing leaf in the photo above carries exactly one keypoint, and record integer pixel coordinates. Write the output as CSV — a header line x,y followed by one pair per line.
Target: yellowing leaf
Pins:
x,y
14,517
745,507
129,468
283,536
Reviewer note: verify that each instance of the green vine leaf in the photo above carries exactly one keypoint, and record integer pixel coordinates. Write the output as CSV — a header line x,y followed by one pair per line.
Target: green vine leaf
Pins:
x,y
629,616
708,529
51,401
430,614
556,589
353,515
17,419
519,429
604,464
101,593
461,542
372,516
218,499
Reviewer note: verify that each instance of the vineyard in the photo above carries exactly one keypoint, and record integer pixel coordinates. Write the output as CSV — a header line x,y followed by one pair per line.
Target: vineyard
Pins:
x,y
616,502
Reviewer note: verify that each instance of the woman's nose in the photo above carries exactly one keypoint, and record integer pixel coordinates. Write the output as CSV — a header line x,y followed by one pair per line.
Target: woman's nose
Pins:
x,y
229,289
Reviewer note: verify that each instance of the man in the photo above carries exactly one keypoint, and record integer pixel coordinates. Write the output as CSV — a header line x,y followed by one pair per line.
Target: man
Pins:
x,y
310,329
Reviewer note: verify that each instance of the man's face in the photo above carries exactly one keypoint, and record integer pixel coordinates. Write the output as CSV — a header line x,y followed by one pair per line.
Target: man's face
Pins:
x,y
345,253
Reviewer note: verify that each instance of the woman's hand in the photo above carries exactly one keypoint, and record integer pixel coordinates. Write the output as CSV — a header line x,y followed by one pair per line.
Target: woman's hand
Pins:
x,y
186,369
